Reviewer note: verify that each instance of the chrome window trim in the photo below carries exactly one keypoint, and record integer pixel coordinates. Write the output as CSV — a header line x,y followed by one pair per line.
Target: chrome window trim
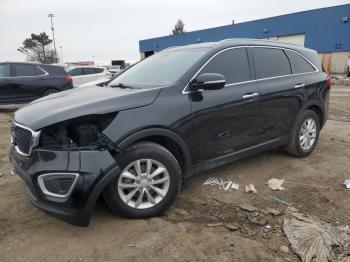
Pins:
x,y
34,139
214,82
184,91
48,193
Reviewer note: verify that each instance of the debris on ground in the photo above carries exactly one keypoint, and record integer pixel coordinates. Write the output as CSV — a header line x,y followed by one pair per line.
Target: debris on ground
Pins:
x,y
12,173
222,184
280,200
0,174
258,221
284,249
347,183
235,186
275,184
273,211
231,247
248,207
314,240
250,189
231,227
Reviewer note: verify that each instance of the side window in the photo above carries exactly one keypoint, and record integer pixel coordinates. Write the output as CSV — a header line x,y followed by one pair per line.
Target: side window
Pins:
x,y
98,70
75,72
88,70
26,70
5,70
233,64
299,64
270,62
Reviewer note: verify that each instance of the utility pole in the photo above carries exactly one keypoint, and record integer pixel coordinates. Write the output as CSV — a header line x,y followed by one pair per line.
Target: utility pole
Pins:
x,y
61,47
53,33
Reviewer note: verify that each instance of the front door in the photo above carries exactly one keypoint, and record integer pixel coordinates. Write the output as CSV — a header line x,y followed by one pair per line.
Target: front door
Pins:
x,y
227,120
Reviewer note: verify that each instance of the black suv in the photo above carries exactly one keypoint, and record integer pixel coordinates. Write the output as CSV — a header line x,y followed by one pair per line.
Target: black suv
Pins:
x,y
177,113
25,82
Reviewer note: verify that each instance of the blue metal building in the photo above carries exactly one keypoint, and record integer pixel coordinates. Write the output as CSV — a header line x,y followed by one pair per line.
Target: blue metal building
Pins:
x,y
325,30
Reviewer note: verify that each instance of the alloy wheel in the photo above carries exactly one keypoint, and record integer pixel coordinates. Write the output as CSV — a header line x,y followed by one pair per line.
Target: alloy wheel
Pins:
x,y
308,132
143,183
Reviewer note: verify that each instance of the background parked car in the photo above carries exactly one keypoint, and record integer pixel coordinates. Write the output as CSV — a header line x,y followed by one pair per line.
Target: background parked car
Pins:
x,y
25,82
84,74
99,82
114,69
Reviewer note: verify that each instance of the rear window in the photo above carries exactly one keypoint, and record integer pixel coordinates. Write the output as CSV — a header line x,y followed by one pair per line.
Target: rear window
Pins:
x,y
88,70
299,64
27,70
75,72
54,70
270,62
5,70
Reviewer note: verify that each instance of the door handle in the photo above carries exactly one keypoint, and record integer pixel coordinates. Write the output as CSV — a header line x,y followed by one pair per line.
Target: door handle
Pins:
x,y
249,96
297,86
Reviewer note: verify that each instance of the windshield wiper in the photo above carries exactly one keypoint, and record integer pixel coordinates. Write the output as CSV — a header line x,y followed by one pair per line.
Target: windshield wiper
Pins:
x,y
121,85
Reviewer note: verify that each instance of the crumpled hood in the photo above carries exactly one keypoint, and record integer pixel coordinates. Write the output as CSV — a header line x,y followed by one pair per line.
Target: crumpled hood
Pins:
x,y
78,102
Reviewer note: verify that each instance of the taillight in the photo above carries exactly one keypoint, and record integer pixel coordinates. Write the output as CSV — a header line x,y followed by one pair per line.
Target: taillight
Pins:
x,y
69,79
329,81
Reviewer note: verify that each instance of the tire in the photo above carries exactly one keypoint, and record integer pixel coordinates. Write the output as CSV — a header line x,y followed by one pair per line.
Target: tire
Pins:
x,y
348,72
115,196
296,147
49,92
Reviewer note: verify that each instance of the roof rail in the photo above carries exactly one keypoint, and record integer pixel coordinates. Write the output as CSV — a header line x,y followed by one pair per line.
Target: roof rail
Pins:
x,y
261,40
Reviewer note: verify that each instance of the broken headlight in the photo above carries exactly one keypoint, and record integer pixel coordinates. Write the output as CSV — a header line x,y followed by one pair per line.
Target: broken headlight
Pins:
x,y
82,132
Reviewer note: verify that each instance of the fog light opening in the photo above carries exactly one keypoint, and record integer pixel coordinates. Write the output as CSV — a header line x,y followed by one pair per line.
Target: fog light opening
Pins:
x,y
58,185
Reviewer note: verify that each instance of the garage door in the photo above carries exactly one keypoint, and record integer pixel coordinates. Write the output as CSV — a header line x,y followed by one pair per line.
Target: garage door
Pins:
x,y
298,39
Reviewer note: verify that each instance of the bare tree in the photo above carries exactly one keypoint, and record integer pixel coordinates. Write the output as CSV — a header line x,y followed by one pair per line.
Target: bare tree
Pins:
x,y
38,48
179,27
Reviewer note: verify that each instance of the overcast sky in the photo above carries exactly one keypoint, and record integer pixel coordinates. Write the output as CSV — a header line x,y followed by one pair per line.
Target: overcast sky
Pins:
x,y
111,29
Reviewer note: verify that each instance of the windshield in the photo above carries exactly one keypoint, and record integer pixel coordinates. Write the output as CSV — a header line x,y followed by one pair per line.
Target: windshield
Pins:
x,y
163,68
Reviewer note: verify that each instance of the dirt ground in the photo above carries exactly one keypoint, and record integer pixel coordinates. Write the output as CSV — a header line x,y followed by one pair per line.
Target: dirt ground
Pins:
x,y
184,232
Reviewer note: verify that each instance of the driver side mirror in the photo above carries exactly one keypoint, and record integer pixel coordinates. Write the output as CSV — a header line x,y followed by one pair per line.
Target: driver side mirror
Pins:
x,y
208,81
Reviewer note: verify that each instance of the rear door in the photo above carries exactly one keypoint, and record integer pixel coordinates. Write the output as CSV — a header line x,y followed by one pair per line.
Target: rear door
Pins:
x,y
281,92
6,83
28,81
227,120
90,74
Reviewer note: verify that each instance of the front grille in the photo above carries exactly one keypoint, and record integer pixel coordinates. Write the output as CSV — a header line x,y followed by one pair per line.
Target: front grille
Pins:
x,y
23,138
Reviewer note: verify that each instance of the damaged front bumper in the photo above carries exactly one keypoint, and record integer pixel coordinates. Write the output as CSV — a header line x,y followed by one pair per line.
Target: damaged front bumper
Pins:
x,y
65,184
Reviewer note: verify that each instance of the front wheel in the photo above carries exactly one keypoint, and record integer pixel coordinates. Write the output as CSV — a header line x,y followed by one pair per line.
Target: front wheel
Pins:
x,y
148,183
305,134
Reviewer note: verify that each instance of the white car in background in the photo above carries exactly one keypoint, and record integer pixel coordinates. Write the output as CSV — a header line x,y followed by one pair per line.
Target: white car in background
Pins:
x,y
99,82
85,74
115,69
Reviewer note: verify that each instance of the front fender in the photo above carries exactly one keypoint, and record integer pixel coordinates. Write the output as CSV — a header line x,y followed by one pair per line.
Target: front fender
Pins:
x,y
159,132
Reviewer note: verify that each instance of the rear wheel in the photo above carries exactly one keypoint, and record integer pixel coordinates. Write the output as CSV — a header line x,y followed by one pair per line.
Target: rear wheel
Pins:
x,y
49,92
148,183
348,72
305,134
